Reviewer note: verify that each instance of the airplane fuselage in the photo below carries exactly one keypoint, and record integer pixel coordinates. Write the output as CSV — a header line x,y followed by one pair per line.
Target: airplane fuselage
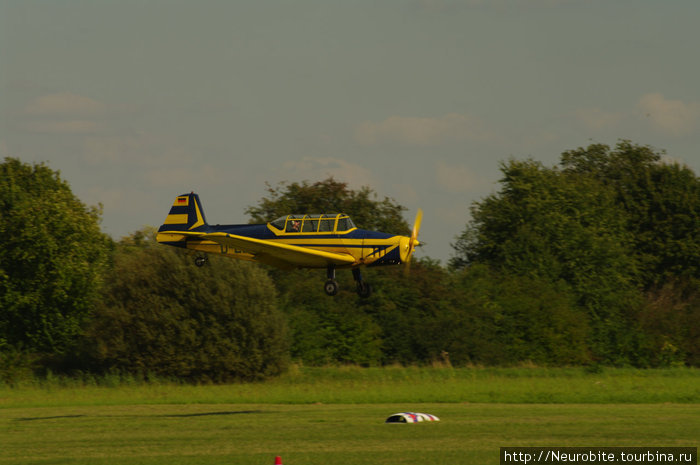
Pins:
x,y
370,248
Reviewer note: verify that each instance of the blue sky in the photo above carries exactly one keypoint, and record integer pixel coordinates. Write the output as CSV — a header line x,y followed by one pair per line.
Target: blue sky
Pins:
x,y
138,101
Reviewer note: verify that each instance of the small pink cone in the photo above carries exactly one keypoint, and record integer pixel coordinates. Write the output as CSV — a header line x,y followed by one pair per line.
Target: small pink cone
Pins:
x,y
278,460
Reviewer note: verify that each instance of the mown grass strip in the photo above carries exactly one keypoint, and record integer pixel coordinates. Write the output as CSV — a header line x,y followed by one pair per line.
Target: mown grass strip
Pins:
x,y
353,385
253,434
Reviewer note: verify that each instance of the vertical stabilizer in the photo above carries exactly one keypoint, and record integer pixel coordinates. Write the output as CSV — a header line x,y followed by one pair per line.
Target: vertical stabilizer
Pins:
x,y
186,214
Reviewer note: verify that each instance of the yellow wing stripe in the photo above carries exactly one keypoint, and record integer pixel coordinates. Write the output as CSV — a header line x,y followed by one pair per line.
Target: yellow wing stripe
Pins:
x,y
295,255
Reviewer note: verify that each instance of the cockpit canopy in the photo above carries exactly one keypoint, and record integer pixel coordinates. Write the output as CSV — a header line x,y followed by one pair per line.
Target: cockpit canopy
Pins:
x,y
334,222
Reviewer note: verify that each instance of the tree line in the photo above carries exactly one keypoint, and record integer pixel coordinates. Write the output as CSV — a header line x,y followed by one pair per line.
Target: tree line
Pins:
x,y
593,261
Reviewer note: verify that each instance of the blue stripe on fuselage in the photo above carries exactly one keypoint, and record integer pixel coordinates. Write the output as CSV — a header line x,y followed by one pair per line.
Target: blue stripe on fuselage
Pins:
x,y
256,231
365,234
261,231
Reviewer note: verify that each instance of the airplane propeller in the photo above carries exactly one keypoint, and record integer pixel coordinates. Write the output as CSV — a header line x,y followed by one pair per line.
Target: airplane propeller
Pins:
x,y
413,240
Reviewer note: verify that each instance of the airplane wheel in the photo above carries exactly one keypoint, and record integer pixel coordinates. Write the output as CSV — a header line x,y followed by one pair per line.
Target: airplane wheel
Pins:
x,y
364,290
200,261
331,287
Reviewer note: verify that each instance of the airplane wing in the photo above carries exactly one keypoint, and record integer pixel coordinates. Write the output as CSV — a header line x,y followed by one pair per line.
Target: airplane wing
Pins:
x,y
278,254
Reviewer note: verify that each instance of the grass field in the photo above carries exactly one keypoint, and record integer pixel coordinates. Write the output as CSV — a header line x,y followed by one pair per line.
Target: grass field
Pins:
x,y
336,416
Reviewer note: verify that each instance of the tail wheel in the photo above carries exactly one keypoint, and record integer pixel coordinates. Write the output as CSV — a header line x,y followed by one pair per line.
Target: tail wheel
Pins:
x,y
364,289
200,261
331,287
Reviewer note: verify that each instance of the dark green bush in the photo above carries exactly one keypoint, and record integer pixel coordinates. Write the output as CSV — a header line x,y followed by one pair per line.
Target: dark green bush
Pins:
x,y
165,316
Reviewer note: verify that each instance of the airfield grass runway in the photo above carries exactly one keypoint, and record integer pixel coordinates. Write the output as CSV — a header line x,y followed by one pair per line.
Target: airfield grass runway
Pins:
x,y
174,424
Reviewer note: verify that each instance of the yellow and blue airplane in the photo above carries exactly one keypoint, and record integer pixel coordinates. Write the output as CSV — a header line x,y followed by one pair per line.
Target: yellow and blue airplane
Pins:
x,y
327,241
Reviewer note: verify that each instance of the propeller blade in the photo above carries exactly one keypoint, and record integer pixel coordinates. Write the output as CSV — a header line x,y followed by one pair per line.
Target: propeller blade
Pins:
x,y
413,240
416,225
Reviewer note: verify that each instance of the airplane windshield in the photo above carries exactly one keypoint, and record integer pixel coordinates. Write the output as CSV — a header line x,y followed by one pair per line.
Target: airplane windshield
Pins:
x,y
279,222
345,224
313,223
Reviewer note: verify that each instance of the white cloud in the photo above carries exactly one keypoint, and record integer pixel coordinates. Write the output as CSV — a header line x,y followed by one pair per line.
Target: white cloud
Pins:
x,y
188,177
457,178
140,149
673,117
312,169
422,131
73,126
63,113
159,160
64,104
652,111
597,119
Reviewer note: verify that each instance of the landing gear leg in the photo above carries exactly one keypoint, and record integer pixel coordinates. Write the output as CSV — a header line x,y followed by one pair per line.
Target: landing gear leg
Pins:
x,y
331,286
200,260
364,290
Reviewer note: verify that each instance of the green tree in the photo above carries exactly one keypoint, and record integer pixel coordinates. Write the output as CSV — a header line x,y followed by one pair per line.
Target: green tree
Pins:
x,y
52,258
502,318
557,225
160,314
551,223
661,201
670,320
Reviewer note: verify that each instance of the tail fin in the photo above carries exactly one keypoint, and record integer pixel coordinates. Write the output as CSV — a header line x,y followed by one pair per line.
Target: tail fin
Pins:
x,y
186,214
